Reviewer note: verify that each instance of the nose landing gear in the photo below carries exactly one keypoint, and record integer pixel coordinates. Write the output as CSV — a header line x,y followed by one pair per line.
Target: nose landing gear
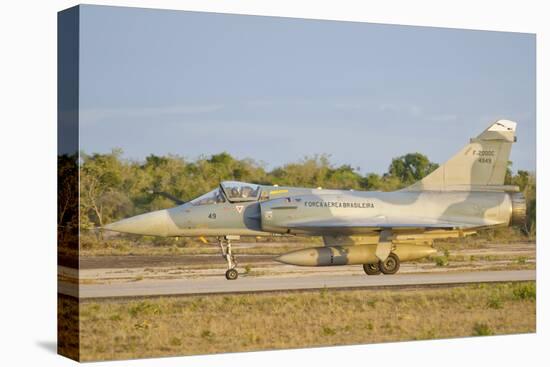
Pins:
x,y
225,247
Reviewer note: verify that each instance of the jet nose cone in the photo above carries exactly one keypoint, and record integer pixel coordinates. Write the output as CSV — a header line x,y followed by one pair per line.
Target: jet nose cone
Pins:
x,y
157,223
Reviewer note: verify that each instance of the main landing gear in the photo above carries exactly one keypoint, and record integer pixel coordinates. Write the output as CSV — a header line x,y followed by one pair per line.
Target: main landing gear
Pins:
x,y
389,266
225,247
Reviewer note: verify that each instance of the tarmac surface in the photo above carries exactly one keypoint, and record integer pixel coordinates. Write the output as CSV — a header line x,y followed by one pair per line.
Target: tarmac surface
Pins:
x,y
219,285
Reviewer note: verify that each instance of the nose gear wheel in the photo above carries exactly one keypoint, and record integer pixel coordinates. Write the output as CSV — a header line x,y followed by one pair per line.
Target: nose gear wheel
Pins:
x,y
225,247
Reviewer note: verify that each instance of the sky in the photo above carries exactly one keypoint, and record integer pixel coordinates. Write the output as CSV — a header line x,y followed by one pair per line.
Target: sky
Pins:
x,y
279,89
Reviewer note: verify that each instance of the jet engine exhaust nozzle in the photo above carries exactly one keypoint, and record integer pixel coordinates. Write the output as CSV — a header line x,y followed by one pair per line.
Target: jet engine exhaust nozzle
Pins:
x,y
519,209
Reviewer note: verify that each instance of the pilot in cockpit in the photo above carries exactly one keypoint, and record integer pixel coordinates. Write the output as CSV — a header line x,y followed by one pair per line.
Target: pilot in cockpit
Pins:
x,y
246,191
235,192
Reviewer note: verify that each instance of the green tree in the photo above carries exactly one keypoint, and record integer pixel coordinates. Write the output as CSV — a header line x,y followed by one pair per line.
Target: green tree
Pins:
x,y
343,177
508,175
521,179
411,167
310,172
527,183
386,182
101,195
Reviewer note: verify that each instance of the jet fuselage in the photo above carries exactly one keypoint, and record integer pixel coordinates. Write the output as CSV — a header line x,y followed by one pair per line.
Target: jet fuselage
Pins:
x,y
277,213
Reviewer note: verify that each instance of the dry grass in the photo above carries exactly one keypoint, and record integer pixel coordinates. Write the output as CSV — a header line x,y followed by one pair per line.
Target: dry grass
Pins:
x,y
213,324
68,326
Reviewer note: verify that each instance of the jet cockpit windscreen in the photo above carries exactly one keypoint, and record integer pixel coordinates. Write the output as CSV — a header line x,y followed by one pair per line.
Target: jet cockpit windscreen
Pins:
x,y
212,197
240,191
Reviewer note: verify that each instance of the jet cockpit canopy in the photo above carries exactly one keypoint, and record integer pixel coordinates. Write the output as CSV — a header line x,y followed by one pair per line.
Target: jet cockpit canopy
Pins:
x,y
240,191
212,197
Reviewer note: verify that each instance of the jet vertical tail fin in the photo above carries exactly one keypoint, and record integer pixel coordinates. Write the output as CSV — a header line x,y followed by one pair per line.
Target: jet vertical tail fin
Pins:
x,y
480,165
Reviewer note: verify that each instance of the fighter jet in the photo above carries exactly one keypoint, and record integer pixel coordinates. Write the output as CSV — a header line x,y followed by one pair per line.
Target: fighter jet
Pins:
x,y
378,230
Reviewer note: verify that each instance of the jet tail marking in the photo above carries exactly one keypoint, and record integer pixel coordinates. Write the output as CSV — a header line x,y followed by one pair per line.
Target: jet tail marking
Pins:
x,y
479,166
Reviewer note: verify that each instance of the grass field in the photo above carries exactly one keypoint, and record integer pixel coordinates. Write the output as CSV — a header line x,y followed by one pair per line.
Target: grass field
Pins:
x,y
232,323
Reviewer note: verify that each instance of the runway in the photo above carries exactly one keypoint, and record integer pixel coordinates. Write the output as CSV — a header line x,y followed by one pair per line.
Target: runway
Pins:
x,y
219,285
